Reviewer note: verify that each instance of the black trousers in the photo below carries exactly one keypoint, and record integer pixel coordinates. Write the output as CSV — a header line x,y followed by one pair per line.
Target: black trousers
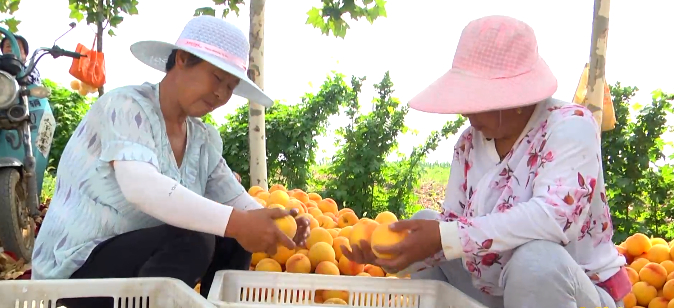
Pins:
x,y
163,251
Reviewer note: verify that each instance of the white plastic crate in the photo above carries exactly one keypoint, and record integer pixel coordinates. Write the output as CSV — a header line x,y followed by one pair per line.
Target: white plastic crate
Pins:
x,y
267,289
126,292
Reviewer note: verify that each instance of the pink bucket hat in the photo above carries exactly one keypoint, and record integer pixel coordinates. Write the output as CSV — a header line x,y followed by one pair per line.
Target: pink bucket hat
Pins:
x,y
496,67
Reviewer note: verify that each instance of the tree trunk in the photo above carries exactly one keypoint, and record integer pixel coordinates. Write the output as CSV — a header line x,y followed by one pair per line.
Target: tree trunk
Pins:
x,y
256,125
594,100
99,34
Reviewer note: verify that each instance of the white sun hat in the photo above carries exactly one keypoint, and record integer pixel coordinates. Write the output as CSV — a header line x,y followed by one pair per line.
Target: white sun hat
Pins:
x,y
214,40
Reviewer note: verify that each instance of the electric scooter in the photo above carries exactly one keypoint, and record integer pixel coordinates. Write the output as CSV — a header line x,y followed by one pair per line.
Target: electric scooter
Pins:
x,y
26,131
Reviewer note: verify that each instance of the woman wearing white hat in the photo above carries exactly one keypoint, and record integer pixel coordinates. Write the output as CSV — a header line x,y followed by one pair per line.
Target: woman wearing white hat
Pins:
x,y
525,217
142,189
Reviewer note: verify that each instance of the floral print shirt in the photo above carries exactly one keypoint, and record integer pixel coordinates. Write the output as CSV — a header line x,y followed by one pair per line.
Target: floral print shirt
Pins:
x,y
550,186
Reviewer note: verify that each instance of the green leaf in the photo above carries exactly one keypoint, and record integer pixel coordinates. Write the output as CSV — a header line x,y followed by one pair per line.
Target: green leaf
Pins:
x,y
133,10
329,18
14,6
75,13
204,11
116,20
314,18
111,33
12,24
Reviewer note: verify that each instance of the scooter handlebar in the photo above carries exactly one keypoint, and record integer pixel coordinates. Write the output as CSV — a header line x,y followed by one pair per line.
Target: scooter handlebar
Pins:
x,y
58,52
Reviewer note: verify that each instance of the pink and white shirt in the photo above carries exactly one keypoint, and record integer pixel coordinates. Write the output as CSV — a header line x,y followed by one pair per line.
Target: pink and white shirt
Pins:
x,y
550,186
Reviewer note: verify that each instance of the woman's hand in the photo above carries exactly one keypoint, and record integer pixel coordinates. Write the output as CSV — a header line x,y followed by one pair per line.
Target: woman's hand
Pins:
x,y
422,242
360,255
303,230
256,230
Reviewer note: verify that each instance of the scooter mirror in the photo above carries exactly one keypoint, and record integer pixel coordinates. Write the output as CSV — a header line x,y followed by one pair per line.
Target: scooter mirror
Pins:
x,y
40,92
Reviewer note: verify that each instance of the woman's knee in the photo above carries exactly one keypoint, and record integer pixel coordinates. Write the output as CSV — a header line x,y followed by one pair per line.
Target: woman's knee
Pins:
x,y
540,255
545,270
539,261
426,214
200,245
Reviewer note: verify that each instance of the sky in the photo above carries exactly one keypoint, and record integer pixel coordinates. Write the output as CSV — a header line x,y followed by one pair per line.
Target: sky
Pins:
x,y
415,43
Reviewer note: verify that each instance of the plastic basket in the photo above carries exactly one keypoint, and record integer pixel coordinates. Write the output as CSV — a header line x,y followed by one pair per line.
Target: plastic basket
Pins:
x,y
126,292
267,289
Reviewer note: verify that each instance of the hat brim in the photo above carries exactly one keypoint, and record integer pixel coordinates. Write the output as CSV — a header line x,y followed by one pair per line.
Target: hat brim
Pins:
x,y
459,93
155,54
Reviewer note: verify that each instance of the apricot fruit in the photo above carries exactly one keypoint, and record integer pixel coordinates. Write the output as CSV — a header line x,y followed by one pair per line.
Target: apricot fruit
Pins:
x,y
268,265
657,241
327,268
287,225
335,294
264,195
279,197
282,254
668,265
644,292
345,232
639,263
254,190
257,256
383,236
348,267
298,263
314,197
335,301
386,218
349,219
313,223
301,209
321,252
637,244
276,187
632,274
374,271
668,290
317,235
362,231
302,196
326,222
658,253
337,243
658,302
314,211
327,207
333,232
654,274
630,300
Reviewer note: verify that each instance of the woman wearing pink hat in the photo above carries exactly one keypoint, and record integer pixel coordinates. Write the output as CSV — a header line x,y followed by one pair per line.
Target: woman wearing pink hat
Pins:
x,y
142,189
525,217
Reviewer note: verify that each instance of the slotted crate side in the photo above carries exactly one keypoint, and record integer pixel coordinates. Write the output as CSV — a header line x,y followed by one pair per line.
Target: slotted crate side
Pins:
x,y
127,293
266,289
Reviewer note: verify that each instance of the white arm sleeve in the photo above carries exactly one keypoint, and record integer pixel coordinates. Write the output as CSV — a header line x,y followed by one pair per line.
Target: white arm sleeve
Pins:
x,y
244,202
170,202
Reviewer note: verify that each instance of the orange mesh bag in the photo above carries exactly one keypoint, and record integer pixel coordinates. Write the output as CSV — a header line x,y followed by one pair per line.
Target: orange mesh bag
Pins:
x,y
89,69
608,119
